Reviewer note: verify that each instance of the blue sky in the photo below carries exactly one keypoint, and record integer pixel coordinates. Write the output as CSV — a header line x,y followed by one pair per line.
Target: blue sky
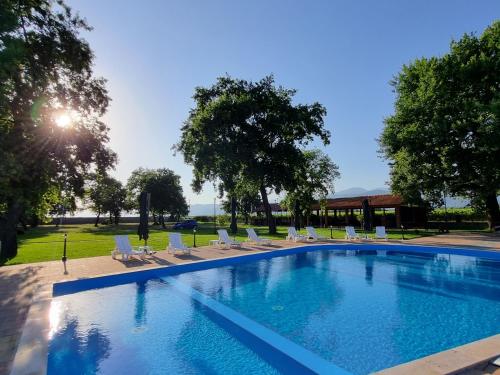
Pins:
x,y
340,53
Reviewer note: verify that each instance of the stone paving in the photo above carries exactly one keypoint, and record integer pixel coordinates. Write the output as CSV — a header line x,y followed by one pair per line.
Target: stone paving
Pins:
x,y
487,241
20,283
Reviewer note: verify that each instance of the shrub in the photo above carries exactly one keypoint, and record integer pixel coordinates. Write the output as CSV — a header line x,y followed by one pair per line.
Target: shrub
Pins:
x,y
457,214
223,220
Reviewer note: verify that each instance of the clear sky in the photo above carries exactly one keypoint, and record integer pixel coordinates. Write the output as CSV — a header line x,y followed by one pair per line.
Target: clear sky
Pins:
x,y
340,53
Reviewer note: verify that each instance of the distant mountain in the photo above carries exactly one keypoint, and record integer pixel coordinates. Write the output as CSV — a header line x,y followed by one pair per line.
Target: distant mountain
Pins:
x,y
358,191
204,209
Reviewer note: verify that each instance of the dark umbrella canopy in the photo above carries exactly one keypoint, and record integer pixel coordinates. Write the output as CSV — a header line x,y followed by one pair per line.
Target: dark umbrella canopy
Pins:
x,y
143,230
367,219
297,214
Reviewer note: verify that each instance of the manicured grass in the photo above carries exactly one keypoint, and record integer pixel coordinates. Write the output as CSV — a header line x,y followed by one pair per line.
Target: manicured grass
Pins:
x,y
46,242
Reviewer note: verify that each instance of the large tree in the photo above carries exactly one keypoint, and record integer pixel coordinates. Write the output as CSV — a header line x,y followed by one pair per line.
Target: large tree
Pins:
x,y
165,189
251,131
444,137
46,84
247,199
107,195
315,180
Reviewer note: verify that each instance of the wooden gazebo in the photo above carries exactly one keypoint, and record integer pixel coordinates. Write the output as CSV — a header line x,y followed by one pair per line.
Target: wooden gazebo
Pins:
x,y
407,215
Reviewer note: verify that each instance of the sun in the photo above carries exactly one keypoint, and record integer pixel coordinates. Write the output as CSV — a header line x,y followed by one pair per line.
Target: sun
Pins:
x,y
63,120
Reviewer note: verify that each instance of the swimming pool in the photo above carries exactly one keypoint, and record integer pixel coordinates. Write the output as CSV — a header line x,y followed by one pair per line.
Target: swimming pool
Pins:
x,y
318,309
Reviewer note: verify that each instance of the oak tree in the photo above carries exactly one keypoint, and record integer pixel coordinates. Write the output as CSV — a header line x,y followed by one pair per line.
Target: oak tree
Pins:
x,y
444,135
251,131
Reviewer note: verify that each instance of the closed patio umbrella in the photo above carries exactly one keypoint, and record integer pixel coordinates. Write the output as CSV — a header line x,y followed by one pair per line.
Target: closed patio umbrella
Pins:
x,y
367,219
143,230
296,214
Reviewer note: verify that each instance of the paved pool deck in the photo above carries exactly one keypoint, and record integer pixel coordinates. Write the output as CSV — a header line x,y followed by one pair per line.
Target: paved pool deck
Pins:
x,y
30,286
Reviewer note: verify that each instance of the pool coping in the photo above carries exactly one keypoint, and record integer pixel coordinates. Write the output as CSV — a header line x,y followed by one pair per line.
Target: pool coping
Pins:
x,y
451,361
32,352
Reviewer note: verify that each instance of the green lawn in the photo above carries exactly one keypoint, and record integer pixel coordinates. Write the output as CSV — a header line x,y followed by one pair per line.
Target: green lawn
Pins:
x,y
46,242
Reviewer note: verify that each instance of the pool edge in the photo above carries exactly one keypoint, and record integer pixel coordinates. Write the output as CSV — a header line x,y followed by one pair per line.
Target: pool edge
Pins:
x,y
451,361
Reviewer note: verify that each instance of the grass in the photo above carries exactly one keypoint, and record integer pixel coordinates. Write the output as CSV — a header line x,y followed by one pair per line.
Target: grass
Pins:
x,y
46,242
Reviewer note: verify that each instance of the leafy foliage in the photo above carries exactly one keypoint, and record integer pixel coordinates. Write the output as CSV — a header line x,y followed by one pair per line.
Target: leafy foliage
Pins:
x,y
247,199
46,70
165,188
252,131
315,180
444,137
107,195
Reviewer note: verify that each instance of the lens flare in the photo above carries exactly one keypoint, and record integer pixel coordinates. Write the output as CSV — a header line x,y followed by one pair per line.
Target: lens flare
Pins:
x,y
63,120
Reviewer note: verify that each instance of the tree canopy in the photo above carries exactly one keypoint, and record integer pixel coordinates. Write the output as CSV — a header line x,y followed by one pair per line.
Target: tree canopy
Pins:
x,y
165,189
247,199
45,75
315,180
107,195
252,131
444,135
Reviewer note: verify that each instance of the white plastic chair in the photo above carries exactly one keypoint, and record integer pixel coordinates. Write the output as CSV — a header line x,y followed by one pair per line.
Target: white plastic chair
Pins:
x,y
294,236
350,233
253,237
175,243
224,239
312,234
380,233
124,248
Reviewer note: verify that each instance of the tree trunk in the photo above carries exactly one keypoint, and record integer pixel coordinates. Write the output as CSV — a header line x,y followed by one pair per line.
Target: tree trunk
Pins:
x,y
8,230
23,224
34,221
234,223
492,210
97,219
162,220
267,208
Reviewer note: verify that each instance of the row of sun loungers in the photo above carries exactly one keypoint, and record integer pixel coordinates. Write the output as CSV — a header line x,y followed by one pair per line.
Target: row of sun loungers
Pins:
x,y
350,234
126,250
311,235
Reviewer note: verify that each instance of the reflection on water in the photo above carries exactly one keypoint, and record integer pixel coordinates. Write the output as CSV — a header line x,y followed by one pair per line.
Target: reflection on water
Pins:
x,y
361,310
142,328
140,305
342,305
73,352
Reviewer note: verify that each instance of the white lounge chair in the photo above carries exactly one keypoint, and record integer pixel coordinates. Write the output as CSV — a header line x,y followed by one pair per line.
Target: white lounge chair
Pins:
x,y
311,234
350,233
253,237
175,243
294,236
380,233
124,248
225,241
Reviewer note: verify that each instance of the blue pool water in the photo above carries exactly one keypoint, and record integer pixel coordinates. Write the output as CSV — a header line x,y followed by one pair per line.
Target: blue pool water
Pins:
x,y
358,310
